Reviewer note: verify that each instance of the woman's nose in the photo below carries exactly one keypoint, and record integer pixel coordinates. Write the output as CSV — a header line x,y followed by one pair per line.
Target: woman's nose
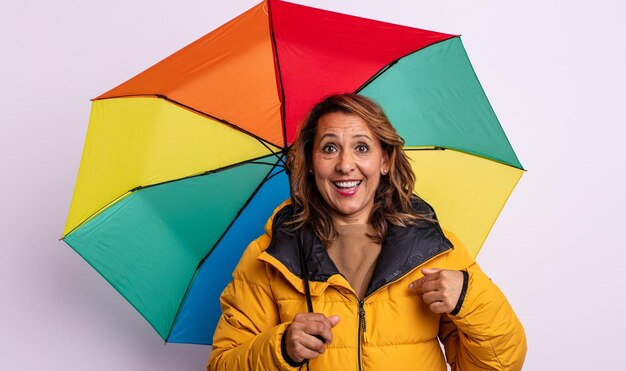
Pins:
x,y
345,162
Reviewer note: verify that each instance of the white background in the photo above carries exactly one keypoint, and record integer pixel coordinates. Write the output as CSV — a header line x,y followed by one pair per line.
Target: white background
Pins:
x,y
554,72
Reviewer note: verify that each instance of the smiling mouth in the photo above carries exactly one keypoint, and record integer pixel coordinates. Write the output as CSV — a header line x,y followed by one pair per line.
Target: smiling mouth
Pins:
x,y
347,184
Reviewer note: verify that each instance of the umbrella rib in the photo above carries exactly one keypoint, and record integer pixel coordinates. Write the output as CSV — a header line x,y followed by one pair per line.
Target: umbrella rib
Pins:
x,y
263,143
226,122
180,305
253,161
475,154
275,154
490,106
267,163
213,171
267,177
283,170
389,65
223,121
434,148
280,75
96,213
112,283
375,76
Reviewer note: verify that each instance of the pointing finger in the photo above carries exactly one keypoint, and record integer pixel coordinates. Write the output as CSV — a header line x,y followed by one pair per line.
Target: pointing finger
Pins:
x,y
429,272
416,286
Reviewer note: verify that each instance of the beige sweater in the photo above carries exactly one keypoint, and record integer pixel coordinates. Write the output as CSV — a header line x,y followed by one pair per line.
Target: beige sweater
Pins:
x,y
355,255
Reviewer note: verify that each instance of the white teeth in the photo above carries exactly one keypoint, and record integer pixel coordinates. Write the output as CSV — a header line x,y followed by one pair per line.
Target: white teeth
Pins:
x,y
350,184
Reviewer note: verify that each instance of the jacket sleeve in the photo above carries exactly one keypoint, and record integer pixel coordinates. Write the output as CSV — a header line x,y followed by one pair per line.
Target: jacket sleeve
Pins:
x,y
249,332
485,334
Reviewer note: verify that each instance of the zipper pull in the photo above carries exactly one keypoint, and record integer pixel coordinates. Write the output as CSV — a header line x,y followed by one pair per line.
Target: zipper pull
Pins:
x,y
362,320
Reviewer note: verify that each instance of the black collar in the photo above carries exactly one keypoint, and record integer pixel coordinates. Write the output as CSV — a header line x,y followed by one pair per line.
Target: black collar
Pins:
x,y
404,248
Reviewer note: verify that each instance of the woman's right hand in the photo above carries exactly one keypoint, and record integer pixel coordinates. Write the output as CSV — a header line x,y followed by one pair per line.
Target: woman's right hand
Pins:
x,y
300,338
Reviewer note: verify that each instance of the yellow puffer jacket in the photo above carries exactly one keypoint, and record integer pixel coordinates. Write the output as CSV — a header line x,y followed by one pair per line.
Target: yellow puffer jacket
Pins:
x,y
391,329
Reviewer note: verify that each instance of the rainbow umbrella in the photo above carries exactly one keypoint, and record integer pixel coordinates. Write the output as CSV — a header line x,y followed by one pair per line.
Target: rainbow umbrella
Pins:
x,y
183,163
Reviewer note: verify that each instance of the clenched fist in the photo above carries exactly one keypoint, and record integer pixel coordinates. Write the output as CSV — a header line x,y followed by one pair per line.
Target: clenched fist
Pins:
x,y
440,289
302,338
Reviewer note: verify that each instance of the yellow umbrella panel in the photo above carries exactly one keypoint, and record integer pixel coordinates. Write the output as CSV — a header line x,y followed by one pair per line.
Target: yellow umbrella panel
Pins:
x,y
468,192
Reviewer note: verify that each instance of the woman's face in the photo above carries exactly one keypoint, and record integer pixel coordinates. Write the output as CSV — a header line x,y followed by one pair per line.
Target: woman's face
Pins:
x,y
347,164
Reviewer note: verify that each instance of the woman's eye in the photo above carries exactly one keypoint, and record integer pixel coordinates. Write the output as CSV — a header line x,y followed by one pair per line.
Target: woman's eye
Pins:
x,y
329,148
362,148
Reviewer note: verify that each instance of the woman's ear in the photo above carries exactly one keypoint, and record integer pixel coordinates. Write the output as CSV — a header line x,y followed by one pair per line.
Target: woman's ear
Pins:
x,y
384,166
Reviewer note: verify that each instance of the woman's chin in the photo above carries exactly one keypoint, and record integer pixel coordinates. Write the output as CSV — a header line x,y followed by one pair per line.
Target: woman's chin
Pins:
x,y
351,213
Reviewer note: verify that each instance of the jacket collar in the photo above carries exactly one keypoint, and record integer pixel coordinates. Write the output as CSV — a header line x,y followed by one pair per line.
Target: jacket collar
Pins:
x,y
404,249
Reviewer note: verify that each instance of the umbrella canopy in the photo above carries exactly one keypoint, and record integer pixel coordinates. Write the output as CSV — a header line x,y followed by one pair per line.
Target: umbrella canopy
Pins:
x,y
182,164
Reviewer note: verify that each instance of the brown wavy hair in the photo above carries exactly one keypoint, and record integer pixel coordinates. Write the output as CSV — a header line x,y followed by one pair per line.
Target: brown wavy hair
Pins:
x,y
392,199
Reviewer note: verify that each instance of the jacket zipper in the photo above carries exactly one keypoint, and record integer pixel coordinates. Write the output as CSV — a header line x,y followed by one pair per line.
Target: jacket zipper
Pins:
x,y
362,321
363,338
362,332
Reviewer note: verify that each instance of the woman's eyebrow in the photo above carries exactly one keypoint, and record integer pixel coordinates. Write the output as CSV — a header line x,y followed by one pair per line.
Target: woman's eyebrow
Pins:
x,y
362,136
333,135
329,135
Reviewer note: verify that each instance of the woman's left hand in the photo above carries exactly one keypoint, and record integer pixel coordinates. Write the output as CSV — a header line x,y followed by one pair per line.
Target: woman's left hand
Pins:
x,y
440,289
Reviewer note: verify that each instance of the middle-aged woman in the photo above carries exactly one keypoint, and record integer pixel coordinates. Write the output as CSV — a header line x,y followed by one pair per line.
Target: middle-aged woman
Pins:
x,y
355,272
